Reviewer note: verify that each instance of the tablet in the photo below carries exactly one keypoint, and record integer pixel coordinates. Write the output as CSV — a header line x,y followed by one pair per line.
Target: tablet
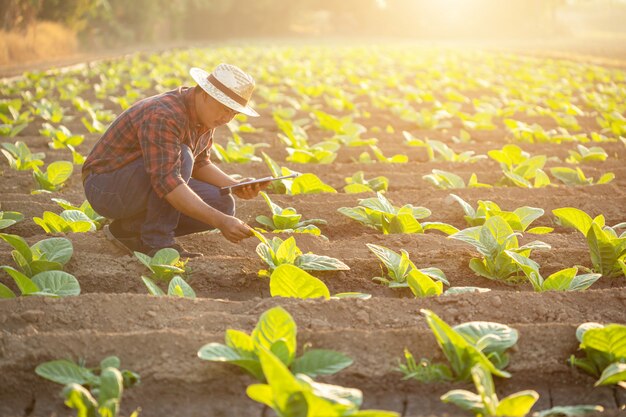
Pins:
x,y
230,188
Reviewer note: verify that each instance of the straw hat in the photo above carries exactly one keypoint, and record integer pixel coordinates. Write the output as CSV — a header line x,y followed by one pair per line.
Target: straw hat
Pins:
x,y
229,85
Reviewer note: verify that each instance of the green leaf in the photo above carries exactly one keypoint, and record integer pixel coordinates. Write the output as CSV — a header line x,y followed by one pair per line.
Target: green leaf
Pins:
x,y
573,217
610,340
165,256
422,285
613,374
80,399
179,287
518,404
55,249
316,362
312,262
276,324
110,362
58,172
488,336
153,289
57,283
6,292
569,411
19,244
111,387
65,372
463,399
310,184
291,281
25,285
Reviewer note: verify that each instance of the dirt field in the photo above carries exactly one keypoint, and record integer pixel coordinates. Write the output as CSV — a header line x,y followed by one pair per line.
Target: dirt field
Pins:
x,y
159,337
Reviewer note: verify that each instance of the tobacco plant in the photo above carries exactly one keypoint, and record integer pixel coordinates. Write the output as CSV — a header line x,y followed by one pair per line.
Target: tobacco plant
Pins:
x,y
519,168
20,157
380,214
448,180
358,184
237,151
9,218
84,208
473,343
276,252
605,350
302,184
607,249
584,154
289,281
519,219
276,331
46,255
177,287
90,393
563,280
54,177
492,240
485,402
569,176
46,283
287,220
69,221
164,265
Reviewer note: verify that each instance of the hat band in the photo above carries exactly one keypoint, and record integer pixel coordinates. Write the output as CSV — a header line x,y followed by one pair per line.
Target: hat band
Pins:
x,y
227,90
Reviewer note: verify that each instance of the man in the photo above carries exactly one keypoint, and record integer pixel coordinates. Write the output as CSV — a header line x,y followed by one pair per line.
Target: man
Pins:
x,y
151,170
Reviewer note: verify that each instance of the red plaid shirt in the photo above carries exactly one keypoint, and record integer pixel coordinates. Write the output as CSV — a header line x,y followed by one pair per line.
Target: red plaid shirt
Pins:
x,y
154,128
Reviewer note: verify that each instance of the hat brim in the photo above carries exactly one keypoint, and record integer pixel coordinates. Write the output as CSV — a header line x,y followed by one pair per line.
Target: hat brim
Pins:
x,y
200,76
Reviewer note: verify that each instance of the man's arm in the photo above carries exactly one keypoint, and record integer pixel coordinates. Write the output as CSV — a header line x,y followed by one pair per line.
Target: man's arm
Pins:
x,y
183,199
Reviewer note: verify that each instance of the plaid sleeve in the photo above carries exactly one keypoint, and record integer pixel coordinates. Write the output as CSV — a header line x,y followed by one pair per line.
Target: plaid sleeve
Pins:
x,y
159,136
204,157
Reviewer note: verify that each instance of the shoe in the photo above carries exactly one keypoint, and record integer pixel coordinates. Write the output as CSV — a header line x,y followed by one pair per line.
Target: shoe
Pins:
x,y
184,253
127,244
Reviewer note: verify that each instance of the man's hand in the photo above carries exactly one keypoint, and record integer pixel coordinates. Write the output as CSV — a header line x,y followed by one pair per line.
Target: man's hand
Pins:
x,y
234,229
250,191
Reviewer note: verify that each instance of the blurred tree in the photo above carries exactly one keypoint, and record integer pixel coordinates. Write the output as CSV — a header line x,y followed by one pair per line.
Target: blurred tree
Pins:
x,y
18,14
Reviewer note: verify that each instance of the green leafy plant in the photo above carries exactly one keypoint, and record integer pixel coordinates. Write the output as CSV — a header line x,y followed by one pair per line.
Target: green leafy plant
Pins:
x,y
492,240
584,154
607,249
46,283
358,184
61,137
447,180
473,343
164,265
320,153
399,267
276,252
380,157
289,281
563,280
46,255
92,394
439,151
287,220
55,176
12,120
48,110
291,396
569,176
9,218
485,402
69,221
519,219
605,350
570,411
20,157
425,371
177,287
237,151
275,331
302,184
519,168
379,213
84,208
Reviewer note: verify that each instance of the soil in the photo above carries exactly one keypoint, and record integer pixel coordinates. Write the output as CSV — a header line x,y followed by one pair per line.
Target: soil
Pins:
x,y
158,337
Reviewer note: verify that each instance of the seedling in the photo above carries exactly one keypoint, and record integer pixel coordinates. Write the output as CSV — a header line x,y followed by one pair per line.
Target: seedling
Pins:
x,y
519,219
237,151
164,265
177,287
395,159
289,281
61,137
358,184
425,371
287,220
275,331
277,252
519,168
46,283
47,110
399,268
380,214
448,180
20,157
473,343
563,280
12,120
302,184
486,403
83,385
584,154
55,176
570,411
569,176
607,250
84,208
320,153
69,221
492,240
9,218
605,350
46,255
